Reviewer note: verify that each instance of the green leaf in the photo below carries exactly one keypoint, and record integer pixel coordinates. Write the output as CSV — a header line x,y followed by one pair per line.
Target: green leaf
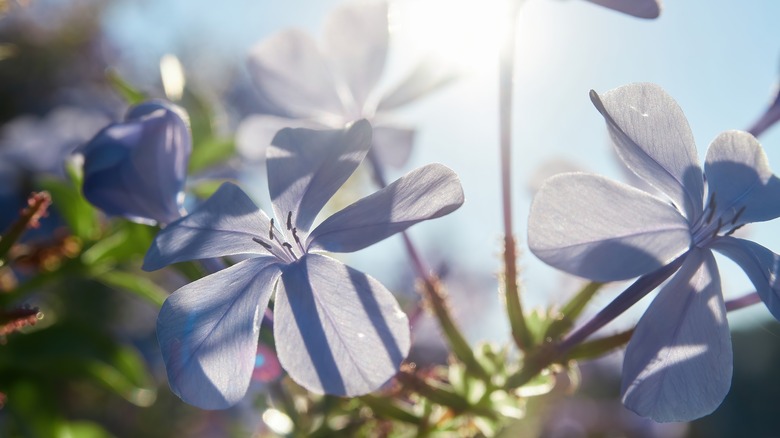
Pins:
x,y
129,93
81,429
68,350
205,188
79,214
541,384
209,152
127,241
599,347
571,311
134,283
385,407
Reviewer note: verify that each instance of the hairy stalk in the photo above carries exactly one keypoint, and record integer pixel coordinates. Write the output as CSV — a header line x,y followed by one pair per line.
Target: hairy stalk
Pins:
x,y
37,205
433,290
520,332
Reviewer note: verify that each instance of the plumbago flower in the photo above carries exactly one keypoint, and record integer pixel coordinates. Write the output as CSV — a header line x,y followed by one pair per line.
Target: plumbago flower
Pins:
x,y
678,363
337,330
329,85
137,168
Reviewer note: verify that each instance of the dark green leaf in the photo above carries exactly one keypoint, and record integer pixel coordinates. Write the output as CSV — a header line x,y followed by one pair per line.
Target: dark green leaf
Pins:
x,y
79,214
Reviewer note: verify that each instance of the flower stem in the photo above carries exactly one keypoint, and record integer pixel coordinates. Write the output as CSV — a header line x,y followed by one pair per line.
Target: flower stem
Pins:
x,y
743,301
520,333
37,205
433,290
549,353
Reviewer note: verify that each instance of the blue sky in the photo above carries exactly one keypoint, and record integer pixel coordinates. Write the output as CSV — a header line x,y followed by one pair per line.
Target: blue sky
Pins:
x,y
718,58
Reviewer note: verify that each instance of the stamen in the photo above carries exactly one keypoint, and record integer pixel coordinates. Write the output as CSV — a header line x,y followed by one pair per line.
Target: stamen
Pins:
x,y
271,230
711,208
289,220
265,245
739,213
720,225
289,249
297,240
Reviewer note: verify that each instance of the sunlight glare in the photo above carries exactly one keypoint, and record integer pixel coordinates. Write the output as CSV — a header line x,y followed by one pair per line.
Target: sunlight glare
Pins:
x,y
465,34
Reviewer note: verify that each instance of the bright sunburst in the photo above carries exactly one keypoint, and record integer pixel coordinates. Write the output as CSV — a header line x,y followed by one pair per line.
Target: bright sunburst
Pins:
x,y
463,33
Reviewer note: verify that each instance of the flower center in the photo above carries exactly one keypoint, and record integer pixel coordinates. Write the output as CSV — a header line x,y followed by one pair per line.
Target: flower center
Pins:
x,y
710,227
279,246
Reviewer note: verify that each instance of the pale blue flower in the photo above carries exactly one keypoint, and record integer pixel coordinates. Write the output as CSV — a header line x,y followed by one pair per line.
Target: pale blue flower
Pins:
x,y
678,363
337,330
330,84
137,168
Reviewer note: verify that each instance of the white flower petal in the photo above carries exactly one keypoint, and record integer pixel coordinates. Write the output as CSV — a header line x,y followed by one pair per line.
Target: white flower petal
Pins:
x,y
761,265
393,144
225,224
426,193
653,139
289,69
208,332
678,363
255,133
596,228
427,77
356,36
738,175
306,167
337,330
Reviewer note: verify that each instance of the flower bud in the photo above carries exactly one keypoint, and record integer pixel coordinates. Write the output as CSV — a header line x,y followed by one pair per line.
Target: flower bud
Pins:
x,y
136,168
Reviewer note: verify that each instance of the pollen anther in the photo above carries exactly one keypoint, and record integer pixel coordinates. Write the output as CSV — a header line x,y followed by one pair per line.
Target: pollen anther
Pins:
x,y
265,245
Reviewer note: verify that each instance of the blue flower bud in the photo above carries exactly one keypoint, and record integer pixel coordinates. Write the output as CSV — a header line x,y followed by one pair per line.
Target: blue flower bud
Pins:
x,y
136,168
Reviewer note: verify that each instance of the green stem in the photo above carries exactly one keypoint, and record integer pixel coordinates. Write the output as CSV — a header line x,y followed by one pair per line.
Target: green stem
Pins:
x,y
571,311
386,408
